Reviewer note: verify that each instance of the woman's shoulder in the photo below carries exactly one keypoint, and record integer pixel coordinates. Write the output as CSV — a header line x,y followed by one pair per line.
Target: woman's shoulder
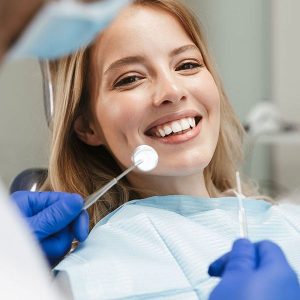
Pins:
x,y
291,212
183,205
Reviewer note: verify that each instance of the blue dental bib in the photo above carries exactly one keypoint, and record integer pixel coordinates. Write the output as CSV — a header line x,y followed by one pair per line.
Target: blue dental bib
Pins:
x,y
161,247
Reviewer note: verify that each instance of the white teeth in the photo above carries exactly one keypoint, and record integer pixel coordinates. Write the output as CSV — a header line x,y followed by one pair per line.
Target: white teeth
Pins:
x,y
161,132
167,129
192,122
184,124
176,126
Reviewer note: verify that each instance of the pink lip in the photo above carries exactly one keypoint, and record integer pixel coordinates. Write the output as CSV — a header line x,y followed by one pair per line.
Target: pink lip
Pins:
x,y
180,138
173,117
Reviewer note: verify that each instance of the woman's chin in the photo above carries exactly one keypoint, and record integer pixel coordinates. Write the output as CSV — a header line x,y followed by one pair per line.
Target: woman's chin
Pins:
x,y
179,170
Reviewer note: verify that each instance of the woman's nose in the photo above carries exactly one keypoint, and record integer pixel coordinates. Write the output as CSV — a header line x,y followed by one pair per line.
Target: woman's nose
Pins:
x,y
167,90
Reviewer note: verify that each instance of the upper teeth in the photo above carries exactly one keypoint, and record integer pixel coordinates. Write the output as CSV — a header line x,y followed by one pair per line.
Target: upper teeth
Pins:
x,y
175,126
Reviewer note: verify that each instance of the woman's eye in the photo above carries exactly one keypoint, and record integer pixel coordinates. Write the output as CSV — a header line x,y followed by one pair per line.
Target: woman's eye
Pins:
x,y
127,81
188,66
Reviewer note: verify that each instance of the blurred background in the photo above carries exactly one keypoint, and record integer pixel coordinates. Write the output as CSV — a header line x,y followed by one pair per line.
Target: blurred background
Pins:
x,y
256,49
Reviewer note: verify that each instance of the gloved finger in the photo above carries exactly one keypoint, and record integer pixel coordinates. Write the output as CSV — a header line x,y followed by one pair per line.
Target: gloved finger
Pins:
x,y
216,268
80,226
31,203
273,261
270,254
242,257
38,201
58,245
56,217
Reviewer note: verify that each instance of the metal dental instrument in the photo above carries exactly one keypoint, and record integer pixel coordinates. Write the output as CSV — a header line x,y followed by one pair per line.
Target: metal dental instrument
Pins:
x,y
242,212
144,157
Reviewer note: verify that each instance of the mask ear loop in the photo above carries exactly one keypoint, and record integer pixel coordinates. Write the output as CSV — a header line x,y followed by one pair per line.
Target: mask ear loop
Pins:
x,y
242,213
47,91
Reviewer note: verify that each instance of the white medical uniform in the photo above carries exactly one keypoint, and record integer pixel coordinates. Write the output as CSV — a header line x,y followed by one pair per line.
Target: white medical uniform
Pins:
x,y
23,270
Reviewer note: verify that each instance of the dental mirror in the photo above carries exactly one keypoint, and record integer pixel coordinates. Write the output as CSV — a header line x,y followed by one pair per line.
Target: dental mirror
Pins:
x,y
144,157
148,157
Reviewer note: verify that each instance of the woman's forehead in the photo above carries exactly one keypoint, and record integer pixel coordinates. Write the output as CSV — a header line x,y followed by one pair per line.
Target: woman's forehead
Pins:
x,y
138,30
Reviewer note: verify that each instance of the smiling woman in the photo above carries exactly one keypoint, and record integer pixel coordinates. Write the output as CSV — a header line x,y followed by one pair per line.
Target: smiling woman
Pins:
x,y
151,63
148,79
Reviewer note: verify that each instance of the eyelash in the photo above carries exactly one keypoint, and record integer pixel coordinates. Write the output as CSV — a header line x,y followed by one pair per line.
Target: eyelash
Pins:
x,y
127,81
193,64
123,82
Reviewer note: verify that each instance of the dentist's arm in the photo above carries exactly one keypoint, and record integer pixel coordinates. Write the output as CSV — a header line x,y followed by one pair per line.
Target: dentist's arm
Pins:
x,y
254,271
56,219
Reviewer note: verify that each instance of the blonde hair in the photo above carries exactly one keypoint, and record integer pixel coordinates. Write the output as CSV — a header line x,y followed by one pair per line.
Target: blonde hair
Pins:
x,y
80,168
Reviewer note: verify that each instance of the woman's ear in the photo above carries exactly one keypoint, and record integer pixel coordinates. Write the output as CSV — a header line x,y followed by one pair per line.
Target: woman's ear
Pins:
x,y
86,133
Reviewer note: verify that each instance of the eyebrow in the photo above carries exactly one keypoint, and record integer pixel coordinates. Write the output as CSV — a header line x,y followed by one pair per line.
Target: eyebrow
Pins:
x,y
140,59
125,61
181,49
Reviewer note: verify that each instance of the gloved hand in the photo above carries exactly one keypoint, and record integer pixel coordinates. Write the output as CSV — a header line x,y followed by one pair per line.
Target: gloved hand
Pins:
x,y
56,219
257,271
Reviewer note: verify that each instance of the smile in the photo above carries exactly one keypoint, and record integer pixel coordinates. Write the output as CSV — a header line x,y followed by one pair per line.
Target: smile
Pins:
x,y
175,127
176,131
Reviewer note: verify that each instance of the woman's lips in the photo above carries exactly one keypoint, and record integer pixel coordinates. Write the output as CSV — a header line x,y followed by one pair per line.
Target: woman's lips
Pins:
x,y
173,117
174,127
182,136
183,119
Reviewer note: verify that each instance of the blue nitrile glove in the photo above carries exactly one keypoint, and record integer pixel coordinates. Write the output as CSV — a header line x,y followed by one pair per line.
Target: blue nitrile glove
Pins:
x,y
55,218
257,271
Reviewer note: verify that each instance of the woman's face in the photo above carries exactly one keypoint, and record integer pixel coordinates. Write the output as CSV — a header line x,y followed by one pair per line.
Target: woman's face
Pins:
x,y
155,90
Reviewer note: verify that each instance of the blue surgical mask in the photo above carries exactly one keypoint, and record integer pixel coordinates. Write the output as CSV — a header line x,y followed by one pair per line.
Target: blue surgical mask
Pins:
x,y
62,27
161,247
